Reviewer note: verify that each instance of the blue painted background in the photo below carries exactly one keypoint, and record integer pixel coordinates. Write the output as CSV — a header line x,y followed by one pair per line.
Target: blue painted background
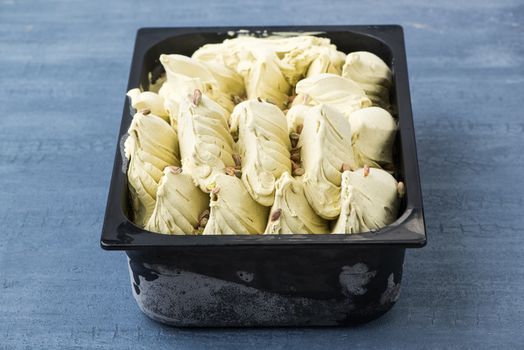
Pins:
x,y
63,72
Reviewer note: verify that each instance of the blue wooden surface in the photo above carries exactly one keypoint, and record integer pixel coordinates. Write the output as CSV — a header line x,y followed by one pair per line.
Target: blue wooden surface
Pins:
x,y
63,74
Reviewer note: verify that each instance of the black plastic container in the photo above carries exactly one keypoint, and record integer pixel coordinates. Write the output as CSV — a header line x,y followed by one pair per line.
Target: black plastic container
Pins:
x,y
268,280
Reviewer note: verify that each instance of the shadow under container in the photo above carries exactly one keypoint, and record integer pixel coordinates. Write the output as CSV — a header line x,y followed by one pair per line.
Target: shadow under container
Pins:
x,y
268,280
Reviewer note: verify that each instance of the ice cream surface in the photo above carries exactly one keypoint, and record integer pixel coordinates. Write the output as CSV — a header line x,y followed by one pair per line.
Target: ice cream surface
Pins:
x,y
184,75
291,212
228,80
298,54
232,210
273,127
372,74
206,146
373,132
265,80
295,117
264,145
147,100
327,61
340,93
325,144
369,201
179,204
294,54
151,146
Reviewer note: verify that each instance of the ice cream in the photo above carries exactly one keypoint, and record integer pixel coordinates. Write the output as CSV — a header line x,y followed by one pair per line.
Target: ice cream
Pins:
x,y
267,126
327,61
234,53
295,117
373,132
229,81
232,210
206,147
265,80
300,56
264,145
184,75
370,200
179,204
340,93
371,73
147,100
291,212
143,178
294,54
171,104
153,136
151,146
325,151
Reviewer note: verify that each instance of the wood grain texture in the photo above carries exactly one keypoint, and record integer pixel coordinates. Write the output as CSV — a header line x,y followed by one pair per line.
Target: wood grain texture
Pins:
x,y
64,67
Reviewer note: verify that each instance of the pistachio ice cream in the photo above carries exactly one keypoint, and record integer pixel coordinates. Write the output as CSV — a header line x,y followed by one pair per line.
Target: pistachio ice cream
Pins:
x,y
147,100
371,73
264,146
265,80
291,212
300,56
143,178
327,61
373,132
151,146
206,146
370,200
184,75
232,210
294,54
179,204
295,117
229,81
269,132
340,93
326,150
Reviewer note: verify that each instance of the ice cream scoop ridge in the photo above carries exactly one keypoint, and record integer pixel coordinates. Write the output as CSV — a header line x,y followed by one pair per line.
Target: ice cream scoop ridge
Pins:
x,y
291,212
179,204
294,55
340,93
372,74
147,100
295,117
206,147
373,132
264,146
264,80
327,61
325,144
369,201
232,210
185,74
151,146
307,55
229,81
